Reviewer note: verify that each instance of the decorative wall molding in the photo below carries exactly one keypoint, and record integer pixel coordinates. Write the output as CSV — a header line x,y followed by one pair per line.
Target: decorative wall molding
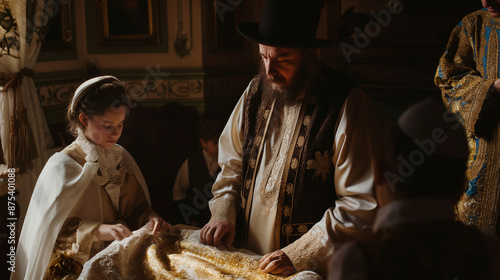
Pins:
x,y
55,95
137,90
185,86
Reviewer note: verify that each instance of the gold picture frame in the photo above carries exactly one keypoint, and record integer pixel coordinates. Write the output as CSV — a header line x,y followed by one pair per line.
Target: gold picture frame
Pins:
x,y
221,22
59,36
131,22
59,42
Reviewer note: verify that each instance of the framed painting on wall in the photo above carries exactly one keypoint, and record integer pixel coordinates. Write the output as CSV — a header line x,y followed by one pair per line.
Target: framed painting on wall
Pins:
x,y
59,42
134,22
222,20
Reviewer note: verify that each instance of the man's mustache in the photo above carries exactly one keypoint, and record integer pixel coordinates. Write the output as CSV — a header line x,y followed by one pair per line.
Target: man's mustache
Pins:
x,y
275,79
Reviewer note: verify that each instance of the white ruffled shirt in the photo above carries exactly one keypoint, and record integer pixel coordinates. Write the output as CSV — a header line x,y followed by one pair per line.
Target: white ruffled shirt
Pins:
x,y
108,161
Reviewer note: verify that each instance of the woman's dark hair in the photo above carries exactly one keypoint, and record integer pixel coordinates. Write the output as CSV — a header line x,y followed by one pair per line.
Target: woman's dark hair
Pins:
x,y
96,103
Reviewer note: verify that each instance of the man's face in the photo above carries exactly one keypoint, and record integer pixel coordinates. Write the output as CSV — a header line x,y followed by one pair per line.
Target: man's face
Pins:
x,y
493,7
283,67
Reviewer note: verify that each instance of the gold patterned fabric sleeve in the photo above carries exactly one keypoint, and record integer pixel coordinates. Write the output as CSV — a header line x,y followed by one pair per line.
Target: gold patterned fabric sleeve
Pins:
x,y
468,68
354,211
226,189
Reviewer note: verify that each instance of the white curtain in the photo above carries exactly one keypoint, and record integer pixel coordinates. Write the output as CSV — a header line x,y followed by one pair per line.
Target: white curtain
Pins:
x,y
23,24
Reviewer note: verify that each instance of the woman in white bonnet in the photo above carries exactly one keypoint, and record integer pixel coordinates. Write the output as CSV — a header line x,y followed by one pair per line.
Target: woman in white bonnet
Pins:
x,y
89,194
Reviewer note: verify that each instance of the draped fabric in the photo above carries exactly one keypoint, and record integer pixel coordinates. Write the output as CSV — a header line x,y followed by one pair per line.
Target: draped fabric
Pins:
x,y
176,256
23,24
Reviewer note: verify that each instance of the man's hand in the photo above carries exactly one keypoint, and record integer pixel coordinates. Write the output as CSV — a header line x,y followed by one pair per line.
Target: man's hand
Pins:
x,y
112,232
277,263
158,224
218,232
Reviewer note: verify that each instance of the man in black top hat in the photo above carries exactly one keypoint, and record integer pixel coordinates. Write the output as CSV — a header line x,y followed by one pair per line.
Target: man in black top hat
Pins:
x,y
296,177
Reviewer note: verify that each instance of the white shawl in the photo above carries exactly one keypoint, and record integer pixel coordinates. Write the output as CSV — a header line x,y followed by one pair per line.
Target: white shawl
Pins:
x,y
62,184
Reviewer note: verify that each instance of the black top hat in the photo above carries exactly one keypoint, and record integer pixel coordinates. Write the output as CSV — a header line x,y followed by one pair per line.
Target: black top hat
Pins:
x,y
287,24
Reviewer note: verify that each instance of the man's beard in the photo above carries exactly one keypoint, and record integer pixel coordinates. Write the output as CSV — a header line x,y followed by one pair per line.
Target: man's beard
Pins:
x,y
284,95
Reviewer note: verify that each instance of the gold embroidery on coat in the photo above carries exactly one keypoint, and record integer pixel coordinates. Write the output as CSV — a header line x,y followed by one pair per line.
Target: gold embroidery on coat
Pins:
x,y
295,163
270,186
322,165
302,229
287,211
307,120
258,139
252,163
300,141
289,189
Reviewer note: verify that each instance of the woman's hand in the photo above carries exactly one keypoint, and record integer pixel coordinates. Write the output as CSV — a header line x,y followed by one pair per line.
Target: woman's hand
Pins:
x,y
106,232
158,224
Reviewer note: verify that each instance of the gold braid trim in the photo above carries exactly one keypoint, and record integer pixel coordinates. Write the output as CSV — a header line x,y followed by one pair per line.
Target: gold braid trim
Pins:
x,y
22,147
489,188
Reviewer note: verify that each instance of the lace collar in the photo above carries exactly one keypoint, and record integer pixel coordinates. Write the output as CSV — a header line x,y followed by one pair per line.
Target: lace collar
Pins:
x,y
108,160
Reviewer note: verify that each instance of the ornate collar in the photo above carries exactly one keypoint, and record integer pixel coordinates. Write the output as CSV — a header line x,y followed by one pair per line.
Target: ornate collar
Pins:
x,y
108,160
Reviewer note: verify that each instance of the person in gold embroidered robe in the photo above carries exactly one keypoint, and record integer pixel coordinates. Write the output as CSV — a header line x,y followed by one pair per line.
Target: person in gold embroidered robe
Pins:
x,y
468,76
296,179
89,194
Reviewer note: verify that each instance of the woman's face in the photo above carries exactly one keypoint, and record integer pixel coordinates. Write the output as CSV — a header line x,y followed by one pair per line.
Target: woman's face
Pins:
x,y
104,130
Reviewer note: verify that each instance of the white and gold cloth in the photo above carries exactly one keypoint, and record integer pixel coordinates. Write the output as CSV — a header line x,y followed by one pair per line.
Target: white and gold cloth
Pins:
x,y
177,255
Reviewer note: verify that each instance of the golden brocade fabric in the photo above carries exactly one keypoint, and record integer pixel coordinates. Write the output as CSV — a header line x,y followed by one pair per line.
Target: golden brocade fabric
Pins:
x,y
177,255
466,72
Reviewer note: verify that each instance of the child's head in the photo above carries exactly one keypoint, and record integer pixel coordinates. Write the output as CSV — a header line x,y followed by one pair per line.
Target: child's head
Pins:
x,y
208,133
99,108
